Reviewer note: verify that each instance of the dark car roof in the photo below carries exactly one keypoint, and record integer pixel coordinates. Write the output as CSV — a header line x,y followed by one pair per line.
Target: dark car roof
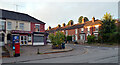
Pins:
x,y
5,14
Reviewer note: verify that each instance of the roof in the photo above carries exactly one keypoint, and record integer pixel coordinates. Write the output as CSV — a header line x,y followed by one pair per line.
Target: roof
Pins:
x,y
90,23
66,27
78,25
5,14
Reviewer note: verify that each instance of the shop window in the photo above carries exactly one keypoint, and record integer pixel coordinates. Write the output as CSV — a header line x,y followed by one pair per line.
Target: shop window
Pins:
x,y
24,39
29,38
38,39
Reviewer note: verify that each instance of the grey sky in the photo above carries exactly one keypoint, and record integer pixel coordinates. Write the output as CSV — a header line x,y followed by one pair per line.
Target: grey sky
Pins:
x,y
57,12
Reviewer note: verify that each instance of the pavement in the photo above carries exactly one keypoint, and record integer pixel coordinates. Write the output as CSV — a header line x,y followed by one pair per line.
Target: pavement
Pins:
x,y
93,54
29,53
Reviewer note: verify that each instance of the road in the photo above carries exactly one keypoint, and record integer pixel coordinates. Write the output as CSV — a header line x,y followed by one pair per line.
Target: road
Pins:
x,y
93,54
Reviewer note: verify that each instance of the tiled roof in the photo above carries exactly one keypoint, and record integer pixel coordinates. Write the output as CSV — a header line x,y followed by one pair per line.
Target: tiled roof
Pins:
x,y
5,14
79,25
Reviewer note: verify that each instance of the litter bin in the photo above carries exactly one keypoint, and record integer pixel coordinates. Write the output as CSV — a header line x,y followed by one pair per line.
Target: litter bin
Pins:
x,y
17,49
63,45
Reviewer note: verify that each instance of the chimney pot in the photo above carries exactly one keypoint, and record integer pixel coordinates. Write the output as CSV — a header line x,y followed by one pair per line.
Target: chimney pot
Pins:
x,y
59,25
49,27
63,24
93,19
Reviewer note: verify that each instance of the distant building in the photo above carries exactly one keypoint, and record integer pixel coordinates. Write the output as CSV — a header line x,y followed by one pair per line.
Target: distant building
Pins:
x,y
29,30
80,31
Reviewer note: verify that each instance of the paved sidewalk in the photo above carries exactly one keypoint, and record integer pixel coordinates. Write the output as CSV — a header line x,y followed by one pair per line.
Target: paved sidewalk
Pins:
x,y
30,53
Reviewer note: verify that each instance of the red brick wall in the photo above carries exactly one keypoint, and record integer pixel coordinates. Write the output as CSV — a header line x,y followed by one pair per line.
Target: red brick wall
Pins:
x,y
42,27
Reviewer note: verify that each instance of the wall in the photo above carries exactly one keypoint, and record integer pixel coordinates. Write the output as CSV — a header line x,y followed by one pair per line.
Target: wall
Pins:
x,y
42,27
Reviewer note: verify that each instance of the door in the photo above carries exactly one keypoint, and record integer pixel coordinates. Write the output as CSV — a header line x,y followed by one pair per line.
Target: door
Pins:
x,y
23,40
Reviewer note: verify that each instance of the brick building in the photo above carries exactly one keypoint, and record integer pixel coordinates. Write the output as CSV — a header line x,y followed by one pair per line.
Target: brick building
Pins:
x,y
28,30
80,31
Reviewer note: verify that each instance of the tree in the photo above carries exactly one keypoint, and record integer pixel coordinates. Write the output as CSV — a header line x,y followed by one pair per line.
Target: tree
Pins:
x,y
86,19
80,19
70,22
108,28
57,38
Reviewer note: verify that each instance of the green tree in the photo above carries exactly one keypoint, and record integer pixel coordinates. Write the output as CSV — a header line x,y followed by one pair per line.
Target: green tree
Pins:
x,y
80,19
57,38
90,39
70,22
86,19
108,28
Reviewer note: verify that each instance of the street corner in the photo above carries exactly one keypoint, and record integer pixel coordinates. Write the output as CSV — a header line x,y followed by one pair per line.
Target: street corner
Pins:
x,y
49,51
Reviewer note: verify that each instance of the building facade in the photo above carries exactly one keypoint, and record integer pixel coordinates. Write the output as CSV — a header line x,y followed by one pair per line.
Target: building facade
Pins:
x,y
80,31
27,29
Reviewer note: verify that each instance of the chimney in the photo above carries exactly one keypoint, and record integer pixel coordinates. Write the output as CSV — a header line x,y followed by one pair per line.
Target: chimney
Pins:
x,y
93,19
83,20
63,24
59,25
49,28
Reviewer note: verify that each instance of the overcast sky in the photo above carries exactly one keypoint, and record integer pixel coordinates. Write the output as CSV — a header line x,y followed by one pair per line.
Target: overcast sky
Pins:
x,y
54,12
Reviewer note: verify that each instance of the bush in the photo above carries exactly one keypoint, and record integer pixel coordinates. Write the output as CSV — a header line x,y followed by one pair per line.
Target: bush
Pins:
x,y
69,38
90,39
57,38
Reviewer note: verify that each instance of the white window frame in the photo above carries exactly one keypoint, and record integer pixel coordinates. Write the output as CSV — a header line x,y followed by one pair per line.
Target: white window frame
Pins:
x,y
39,27
88,29
82,30
9,28
24,40
97,27
21,26
76,31
76,38
2,27
66,32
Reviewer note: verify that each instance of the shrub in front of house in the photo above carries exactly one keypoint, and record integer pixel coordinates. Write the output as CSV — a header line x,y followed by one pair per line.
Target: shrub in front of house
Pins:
x,y
69,38
90,39
57,39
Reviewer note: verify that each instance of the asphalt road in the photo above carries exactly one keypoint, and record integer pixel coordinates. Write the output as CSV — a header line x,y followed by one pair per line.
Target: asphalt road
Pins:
x,y
93,54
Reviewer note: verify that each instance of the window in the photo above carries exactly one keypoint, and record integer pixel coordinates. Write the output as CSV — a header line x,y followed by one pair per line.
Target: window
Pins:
x,y
96,36
96,28
2,25
22,26
66,32
82,30
37,27
29,38
2,37
76,37
88,29
9,25
38,39
75,31
24,39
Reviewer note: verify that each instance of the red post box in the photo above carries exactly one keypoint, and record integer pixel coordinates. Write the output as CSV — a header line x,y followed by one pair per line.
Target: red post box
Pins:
x,y
17,49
